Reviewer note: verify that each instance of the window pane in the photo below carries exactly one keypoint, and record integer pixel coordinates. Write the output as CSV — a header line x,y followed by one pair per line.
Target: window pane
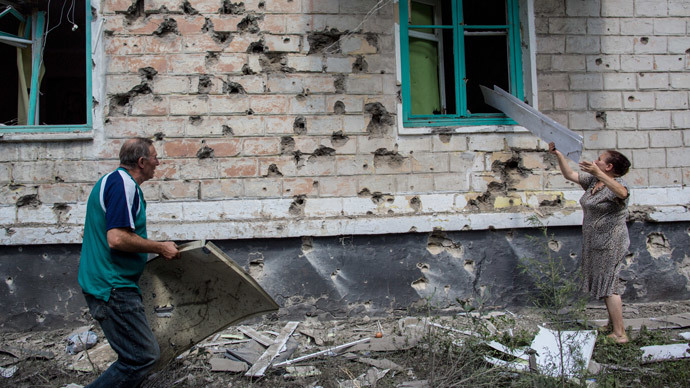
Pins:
x,y
486,63
432,73
485,12
422,15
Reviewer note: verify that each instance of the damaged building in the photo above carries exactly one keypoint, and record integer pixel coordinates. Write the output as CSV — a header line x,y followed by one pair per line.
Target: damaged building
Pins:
x,y
341,151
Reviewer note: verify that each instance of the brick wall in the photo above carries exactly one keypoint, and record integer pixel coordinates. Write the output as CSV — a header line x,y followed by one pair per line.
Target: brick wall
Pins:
x,y
269,111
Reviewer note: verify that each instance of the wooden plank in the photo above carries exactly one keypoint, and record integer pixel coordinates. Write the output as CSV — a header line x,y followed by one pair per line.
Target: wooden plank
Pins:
x,y
264,361
542,126
255,335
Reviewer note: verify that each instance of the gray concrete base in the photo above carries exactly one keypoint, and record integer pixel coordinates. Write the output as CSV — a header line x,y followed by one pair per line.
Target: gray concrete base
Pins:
x,y
336,277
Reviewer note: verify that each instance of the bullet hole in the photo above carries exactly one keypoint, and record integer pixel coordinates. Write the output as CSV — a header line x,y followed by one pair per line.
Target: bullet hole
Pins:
x,y
262,5
256,265
297,157
438,243
135,11
275,62
658,245
297,206
227,130
250,24
257,47
416,204
315,185
644,40
10,284
158,136
168,26
601,117
147,73
364,193
548,202
30,200
420,284
247,70
380,121
339,83
286,40
445,137
338,139
287,145
322,152
61,210
273,172
598,61
391,159
372,39
469,266
205,84
230,8
59,179
378,197
120,103
322,40
365,166
222,37
187,8
631,98
204,152
555,245
249,112
413,229
424,267
573,255
230,87
335,273
195,120
300,125
208,26
360,65
339,107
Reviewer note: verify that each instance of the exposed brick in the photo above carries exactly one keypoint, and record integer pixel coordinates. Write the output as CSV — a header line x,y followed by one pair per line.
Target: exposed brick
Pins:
x,y
637,26
279,125
181,148
678,8
113,6
652,81
171,85
382,183
677,157
354,164
678,45
570,100
650,45
118,45
665,176
681,120
551,44
225,147
149,105
261,146
605,100
582,44
552,81
34,172
638,100
466,161
238,167
619,81
428,162
59,193
337,187
621,120
616,44
637,177
187,63
567,26
221,188
482,142
620,8
283,6
158,62
305,64
635,63
409,145
167,44
633,139
300,186
669,26
356,44
667,139
608,26
652,120
651,8
263,187
189,105
583,120
669,62
307,105
672,100
176,190
586,82
417,183
226,63
583,7
283,43
269,104
451,182
568,63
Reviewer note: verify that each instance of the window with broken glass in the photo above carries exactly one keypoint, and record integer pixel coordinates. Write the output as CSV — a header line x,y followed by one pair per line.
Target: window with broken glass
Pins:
x,y
45,59
451,47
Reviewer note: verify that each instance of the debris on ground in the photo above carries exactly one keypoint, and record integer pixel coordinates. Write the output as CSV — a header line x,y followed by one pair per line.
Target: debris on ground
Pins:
x,y
345,353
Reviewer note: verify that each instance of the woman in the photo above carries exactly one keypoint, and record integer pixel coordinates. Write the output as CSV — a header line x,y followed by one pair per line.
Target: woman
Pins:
x,y
605,238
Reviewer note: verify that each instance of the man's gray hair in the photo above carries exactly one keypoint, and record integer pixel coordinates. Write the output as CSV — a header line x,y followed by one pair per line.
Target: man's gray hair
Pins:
x,y
133,149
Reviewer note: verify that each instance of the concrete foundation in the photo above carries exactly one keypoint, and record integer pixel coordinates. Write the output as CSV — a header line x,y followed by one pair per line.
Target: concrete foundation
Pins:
x,y
336,277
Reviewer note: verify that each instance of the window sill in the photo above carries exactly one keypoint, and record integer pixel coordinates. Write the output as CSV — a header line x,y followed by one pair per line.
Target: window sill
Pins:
x,y
46,136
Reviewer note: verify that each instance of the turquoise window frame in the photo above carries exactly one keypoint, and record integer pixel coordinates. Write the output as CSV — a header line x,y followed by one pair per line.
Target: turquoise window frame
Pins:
x,y
37,21
461,119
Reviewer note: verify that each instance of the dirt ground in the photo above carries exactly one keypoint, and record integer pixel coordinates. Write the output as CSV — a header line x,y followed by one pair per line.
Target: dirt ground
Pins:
x,y
400,358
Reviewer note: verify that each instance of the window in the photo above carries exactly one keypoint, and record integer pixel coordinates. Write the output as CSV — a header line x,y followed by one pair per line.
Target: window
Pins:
x,y
448,49
45,60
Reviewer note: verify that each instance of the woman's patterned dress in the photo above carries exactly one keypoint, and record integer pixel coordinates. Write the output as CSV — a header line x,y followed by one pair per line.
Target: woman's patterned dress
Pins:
x,y
605,238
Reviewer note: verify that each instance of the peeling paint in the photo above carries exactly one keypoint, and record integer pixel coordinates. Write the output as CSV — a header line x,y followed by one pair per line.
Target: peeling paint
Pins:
x,y
658,245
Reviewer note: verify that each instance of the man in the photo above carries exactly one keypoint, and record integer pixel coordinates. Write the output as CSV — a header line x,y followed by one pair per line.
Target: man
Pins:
x,y
113,256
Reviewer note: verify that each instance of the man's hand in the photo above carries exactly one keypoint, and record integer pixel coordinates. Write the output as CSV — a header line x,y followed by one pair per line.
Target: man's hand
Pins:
x,y
169,250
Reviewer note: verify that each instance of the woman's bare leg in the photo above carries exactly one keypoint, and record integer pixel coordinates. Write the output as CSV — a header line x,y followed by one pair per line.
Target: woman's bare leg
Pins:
x,y
614,305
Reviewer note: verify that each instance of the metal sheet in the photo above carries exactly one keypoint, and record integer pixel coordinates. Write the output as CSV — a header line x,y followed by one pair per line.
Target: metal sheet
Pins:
x,y
190,298
547,129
